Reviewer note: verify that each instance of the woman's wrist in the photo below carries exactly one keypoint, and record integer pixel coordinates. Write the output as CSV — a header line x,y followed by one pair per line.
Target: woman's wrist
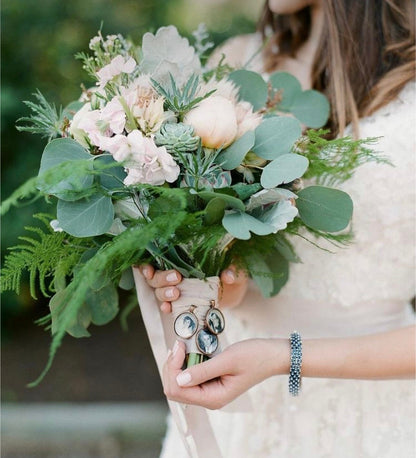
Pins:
x,y
279,350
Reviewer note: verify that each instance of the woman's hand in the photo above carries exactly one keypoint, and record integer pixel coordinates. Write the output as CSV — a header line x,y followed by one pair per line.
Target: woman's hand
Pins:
x,y
218,381
233,286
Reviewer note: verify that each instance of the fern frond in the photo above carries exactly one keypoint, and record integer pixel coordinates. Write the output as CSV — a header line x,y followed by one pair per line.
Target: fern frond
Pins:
x,y
123,251
39,256
334,161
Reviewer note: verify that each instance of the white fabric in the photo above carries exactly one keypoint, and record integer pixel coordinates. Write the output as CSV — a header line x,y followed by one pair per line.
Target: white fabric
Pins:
x,y
362,289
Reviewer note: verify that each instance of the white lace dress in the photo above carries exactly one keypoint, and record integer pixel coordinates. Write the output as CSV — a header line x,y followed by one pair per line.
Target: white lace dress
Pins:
x,y
362,289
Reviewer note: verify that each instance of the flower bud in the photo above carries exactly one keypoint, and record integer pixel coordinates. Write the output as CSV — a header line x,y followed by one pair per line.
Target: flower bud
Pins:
x,y
214,120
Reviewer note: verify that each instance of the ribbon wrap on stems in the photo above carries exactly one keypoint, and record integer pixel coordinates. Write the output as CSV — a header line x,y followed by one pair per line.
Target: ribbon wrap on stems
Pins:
x,y
193,422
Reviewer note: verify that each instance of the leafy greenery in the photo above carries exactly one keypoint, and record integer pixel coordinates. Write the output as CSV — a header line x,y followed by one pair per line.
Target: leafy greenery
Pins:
x,y
333,161
45,119
47,256
181,100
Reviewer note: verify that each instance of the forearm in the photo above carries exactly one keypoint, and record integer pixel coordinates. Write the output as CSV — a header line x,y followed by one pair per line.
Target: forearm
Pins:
x,y
377,356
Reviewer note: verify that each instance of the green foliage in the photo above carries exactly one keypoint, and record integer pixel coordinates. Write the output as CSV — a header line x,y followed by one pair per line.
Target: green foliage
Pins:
x,y
283,170
276,136
45,119
124,251
324,209
180,101
24,191
47,256
333,161
310,107
252,87
199,167
232,156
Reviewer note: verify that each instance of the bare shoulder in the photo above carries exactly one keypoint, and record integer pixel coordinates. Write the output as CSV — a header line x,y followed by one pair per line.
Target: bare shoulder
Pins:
x,y
237,50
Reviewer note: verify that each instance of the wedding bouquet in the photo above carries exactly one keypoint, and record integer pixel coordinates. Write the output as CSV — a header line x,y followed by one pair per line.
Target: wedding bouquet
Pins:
x,y
169,162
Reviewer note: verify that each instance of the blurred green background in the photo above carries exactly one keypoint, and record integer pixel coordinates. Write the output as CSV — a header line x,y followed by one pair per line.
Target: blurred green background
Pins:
x,y
39,40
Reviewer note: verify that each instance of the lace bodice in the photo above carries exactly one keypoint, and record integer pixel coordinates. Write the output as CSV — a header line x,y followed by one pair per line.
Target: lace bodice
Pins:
x,y
362,289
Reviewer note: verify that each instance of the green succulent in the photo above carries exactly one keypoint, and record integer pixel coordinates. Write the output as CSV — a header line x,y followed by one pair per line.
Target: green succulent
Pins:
x,y
177,138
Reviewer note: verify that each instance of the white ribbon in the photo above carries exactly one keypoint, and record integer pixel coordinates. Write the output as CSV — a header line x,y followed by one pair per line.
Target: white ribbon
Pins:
x,y
193,422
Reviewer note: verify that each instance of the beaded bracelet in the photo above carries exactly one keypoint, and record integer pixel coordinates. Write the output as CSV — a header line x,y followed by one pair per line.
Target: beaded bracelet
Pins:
x,y
295,380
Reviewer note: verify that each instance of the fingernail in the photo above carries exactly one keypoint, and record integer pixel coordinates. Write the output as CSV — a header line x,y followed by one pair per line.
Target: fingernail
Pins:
x,y
172,276
146,272
230,275
183,378
170,292
175,348
169,352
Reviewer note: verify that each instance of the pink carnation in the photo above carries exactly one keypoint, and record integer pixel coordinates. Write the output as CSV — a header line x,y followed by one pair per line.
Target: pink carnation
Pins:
x,y
117,66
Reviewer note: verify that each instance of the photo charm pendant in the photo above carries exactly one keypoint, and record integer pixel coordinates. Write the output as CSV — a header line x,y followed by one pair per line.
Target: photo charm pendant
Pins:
x,y
206,342
215,321
186,324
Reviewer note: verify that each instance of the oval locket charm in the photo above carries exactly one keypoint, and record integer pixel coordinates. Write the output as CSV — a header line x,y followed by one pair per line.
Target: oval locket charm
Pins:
x,y
206,342
215,321
186,324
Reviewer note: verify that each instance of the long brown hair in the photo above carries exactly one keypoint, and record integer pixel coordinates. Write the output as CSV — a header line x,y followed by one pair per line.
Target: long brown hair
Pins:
x,y
365,57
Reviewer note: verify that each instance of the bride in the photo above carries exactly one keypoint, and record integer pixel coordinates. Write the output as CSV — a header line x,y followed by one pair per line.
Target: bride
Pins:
x,y
351,309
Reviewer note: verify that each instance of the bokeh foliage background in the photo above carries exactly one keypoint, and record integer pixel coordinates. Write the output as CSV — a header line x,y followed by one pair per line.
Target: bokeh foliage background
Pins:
x,y
39,40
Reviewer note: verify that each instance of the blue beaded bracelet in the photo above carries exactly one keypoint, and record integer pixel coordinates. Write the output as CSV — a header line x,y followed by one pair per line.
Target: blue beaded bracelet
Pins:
x,y
295,380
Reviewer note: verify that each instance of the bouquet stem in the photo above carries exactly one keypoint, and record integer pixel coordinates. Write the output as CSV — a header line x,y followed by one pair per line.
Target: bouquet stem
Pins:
x,y
192,359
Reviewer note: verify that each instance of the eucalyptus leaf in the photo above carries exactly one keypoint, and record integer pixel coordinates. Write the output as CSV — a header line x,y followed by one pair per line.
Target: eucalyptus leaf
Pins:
x,y
279,266
270,273
78,328
275,136
261,274
214,211
56,153
126,280
86,217
103,304
113,176
288,85
252,87
311,108
284,169
231,201
285,248
324,209
233,156
244,190
240,224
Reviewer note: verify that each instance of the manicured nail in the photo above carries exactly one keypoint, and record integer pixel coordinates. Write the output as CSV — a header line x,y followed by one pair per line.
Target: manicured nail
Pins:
x,y
172,276
175,348
230,275
170,292
183,378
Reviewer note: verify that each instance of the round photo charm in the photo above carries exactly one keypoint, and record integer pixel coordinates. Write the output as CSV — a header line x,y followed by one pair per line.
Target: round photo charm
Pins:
x,y
185,325
206,342
215,321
